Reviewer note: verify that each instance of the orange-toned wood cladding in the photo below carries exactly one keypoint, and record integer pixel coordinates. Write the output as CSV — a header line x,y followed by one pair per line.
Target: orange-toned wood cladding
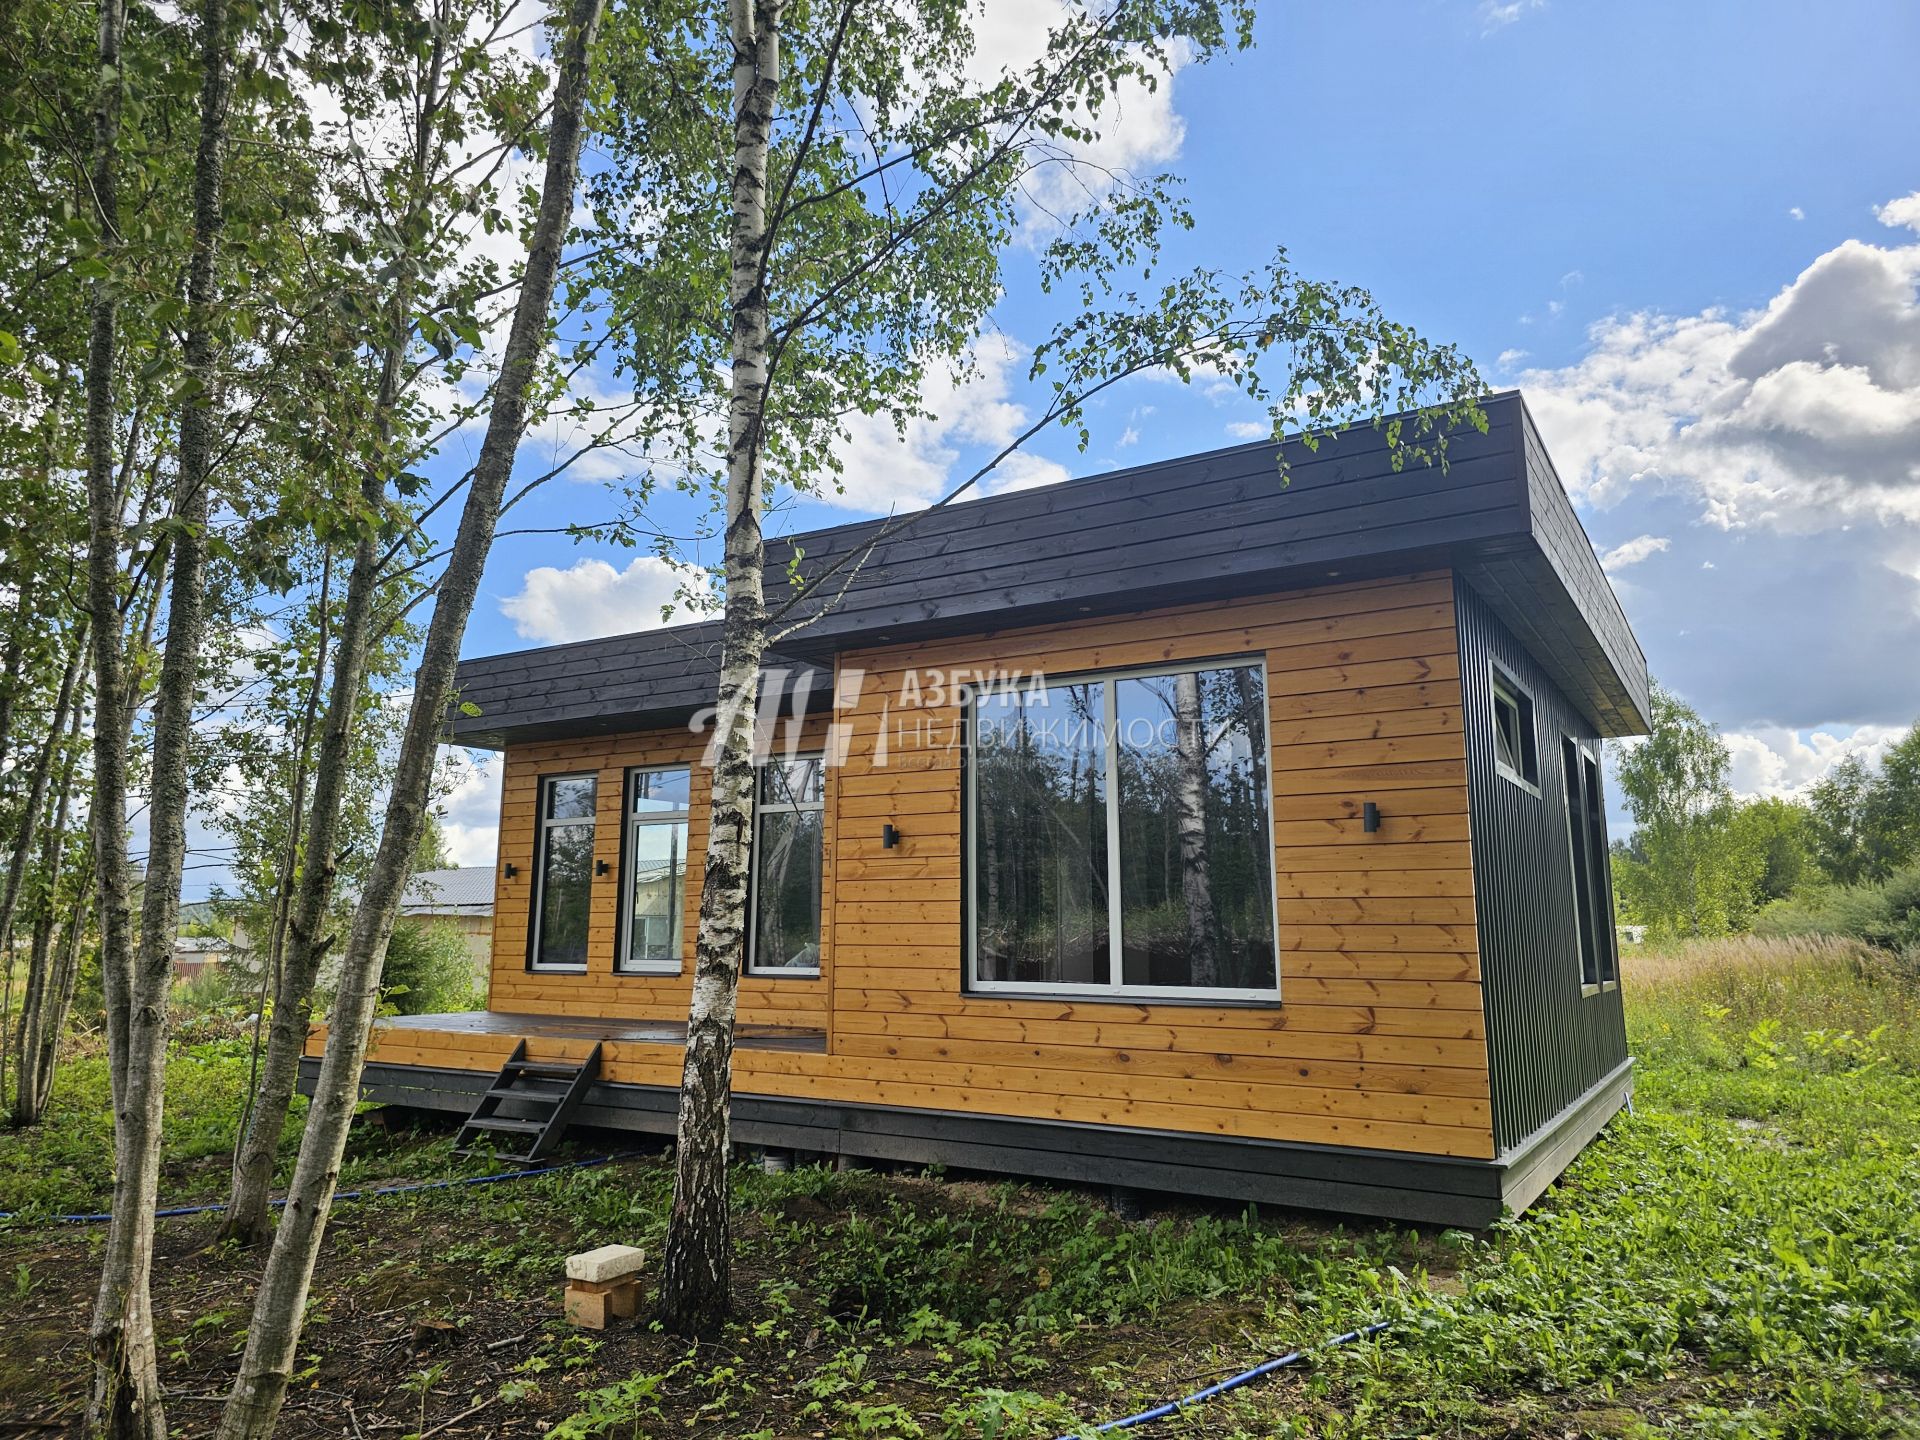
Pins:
x,y
782,1000
1379,1039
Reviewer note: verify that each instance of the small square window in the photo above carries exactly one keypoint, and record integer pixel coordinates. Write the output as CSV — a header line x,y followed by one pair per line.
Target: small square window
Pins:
x,y
1515,752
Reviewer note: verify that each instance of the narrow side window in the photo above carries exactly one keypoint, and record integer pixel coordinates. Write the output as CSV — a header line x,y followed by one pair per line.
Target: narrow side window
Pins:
x,y
1578,842
788,863
1605,938
1516,753
1592,881
658,809
563,872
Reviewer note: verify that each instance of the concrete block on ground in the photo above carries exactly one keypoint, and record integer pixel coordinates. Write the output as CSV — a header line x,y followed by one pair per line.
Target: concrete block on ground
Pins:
x,y
608,1263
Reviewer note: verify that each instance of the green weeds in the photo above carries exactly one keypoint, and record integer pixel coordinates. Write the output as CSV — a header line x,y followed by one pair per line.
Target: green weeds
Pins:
x,y
1741,1257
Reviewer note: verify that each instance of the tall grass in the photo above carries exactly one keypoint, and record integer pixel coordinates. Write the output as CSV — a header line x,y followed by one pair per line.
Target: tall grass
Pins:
x,y
1822,1001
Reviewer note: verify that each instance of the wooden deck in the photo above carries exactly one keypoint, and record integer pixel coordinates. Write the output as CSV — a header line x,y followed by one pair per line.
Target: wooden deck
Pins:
x,y
796,1038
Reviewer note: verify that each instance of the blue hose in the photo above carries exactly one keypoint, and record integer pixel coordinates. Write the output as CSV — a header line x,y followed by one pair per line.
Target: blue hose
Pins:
x,y
176,1211
1245,1377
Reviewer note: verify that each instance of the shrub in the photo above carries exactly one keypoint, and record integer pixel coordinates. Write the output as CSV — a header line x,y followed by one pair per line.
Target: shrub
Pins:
x,y
429,970
1886,915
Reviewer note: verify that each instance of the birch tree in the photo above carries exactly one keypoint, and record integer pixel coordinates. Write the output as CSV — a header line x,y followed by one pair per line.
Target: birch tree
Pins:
x,y
1190,817
273,1337
126,1396
437,83
52,973
873,181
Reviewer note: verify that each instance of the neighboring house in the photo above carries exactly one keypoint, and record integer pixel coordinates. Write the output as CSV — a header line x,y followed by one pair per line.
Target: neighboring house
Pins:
x,y
194,953
460,900
1177,828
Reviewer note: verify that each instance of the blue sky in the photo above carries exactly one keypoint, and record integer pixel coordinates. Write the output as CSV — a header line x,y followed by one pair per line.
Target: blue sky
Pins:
x,y
1599,203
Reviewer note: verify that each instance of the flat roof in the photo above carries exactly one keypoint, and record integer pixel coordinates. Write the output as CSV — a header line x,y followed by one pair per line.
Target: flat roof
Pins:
x,y
1201,527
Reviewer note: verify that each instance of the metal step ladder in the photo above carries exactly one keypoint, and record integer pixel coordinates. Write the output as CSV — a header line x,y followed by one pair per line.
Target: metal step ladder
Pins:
x,y
552,1089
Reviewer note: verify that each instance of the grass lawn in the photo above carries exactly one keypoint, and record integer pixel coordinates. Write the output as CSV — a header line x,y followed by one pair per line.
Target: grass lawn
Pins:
x,y
1740,1257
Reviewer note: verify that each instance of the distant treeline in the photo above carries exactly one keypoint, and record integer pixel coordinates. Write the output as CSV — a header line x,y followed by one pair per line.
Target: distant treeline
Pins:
x,y
1845,859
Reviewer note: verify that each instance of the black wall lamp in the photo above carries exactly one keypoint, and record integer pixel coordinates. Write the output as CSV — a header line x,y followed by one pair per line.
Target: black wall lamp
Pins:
x,y
1370,817
511,870
889,837
600,867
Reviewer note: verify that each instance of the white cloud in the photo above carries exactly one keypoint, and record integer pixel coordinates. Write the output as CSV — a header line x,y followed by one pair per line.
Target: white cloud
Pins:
x,y
590,598
1498,14
1633,552
1139,127
1249,430
1789,435
885,469
588,432
1786,763
1796,212
1507,359
1128,436
1903,213
1801,416
469,809
1021,471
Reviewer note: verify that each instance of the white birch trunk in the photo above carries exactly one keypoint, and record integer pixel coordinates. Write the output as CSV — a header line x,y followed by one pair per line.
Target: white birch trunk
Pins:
x,y
42,1030
274,1335
121,1335
1190,813
248,1215
39,781
696,1287
38,1007
126,1398
249,1209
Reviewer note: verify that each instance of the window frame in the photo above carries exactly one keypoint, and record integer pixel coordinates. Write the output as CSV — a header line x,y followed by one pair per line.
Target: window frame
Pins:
x,y
1115,990
543,789
630,825
1596,887
761,808
1500,679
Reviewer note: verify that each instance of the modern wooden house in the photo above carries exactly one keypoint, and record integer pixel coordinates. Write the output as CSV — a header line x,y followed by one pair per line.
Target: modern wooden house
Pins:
x,y
1176,828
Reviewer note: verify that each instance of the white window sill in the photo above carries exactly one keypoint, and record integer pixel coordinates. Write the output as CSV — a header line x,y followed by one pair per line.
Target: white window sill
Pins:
x,y
1514,776
1124,995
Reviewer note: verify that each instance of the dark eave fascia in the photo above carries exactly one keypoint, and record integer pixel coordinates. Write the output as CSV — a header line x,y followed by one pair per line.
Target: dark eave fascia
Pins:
x,y
648,680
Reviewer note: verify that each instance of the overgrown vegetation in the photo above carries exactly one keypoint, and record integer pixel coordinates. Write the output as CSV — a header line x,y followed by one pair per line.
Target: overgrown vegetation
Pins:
x,y
429,970
1740,1257
1701,862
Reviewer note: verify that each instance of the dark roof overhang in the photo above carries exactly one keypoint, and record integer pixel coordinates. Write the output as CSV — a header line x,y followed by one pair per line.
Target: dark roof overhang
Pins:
x,y
1211,526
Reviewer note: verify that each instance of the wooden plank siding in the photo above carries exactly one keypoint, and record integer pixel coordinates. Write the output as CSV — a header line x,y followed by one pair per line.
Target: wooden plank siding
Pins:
x,y
1379,1038
601,991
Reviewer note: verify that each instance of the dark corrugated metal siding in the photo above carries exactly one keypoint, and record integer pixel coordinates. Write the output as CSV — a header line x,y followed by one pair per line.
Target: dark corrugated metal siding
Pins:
x,y
1547,1042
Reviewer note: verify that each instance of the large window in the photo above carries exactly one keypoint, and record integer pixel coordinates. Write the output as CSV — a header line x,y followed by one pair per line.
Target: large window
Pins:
x,y
1118,836
563,872
787,866
1593,893
655,863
